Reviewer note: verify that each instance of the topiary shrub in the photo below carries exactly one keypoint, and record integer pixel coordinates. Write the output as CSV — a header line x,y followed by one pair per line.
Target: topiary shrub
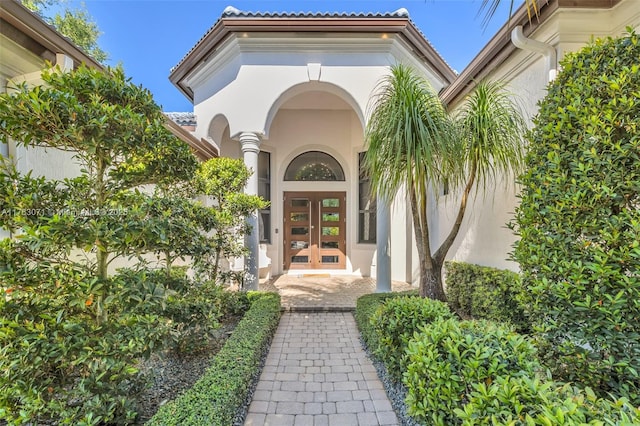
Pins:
x,y
394,324
579,218
448,358
482,292
58,365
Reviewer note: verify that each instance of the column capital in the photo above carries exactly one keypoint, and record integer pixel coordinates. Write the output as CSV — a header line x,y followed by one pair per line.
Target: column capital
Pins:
x,y
249,142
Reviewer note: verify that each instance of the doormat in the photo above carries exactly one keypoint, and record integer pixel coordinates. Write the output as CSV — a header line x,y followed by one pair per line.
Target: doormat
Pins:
x,y
316,275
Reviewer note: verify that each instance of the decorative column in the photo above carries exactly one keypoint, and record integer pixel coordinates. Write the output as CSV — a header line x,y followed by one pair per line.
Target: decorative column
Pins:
x,y
250,144
383,245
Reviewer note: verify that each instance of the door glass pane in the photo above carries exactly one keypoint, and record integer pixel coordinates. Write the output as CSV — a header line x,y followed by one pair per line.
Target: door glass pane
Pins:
x,y
299,217
299,245
330,230
314,166
299,259
329,259
299,202
330,217
331,202
300,231
329,245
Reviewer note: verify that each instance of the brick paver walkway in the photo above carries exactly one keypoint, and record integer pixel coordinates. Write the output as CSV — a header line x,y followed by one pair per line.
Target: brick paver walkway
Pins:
x,y
316,373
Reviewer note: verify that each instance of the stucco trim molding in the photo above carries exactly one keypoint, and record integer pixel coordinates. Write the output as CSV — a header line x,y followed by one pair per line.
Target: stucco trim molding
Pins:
x,y
500,47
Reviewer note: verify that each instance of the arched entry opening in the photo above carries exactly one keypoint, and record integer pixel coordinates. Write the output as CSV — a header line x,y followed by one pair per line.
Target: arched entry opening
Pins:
x,y
314,133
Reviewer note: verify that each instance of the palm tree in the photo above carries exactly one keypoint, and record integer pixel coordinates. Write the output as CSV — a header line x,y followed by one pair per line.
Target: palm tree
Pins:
x,y
490,7
414,144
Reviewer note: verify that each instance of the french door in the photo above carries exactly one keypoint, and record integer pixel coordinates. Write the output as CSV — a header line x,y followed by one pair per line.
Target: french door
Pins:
x,y
315,230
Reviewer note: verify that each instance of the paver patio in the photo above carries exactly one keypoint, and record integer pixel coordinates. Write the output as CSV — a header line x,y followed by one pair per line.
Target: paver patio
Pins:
x,y
323,293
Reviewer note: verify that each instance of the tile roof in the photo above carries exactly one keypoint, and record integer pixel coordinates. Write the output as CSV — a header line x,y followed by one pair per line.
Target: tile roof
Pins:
x,y
231,11
182,118
233,20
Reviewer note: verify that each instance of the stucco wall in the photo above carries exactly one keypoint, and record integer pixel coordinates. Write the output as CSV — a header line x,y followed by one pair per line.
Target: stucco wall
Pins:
x,y
484,238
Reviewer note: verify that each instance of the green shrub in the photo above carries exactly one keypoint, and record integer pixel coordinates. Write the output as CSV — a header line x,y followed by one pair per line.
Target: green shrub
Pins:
x,y
481,292
395,323
448,358
365,308
579,222
198,312
58,363
220,393
523,400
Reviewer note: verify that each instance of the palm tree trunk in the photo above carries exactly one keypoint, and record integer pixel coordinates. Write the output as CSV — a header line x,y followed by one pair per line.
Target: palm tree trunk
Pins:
x,y
431,282
430,273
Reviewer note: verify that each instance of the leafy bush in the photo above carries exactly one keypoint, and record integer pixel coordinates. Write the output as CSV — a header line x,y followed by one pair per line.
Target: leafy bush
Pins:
x,y
395,323
221,392
579,221
523,400
197,313
448,358
56,361
71,331
223,181
481,292
365,308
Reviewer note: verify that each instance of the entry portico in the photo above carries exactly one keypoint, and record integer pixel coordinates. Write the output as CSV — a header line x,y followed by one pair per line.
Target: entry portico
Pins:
x,y
289,94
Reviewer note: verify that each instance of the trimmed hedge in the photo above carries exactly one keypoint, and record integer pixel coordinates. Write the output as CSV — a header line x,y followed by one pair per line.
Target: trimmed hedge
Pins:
x,y
482,292
221,392
477,372
365,308
396,321
578,220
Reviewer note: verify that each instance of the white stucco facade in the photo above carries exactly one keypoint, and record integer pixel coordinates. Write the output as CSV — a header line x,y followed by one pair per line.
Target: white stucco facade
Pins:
x,y
484,238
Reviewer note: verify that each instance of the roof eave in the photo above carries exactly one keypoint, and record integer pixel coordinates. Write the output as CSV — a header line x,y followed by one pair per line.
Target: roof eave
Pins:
x,y
500,47
34,27
203,150
428,53
226,26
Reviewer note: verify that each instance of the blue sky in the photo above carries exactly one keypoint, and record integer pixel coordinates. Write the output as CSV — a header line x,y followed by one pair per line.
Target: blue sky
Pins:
x,y
149,37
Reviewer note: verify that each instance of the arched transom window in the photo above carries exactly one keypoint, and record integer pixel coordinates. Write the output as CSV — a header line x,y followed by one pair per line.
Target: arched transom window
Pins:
x,y
314,166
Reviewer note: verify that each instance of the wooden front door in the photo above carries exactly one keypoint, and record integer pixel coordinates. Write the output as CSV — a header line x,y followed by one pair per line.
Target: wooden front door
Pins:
x,y
315,230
